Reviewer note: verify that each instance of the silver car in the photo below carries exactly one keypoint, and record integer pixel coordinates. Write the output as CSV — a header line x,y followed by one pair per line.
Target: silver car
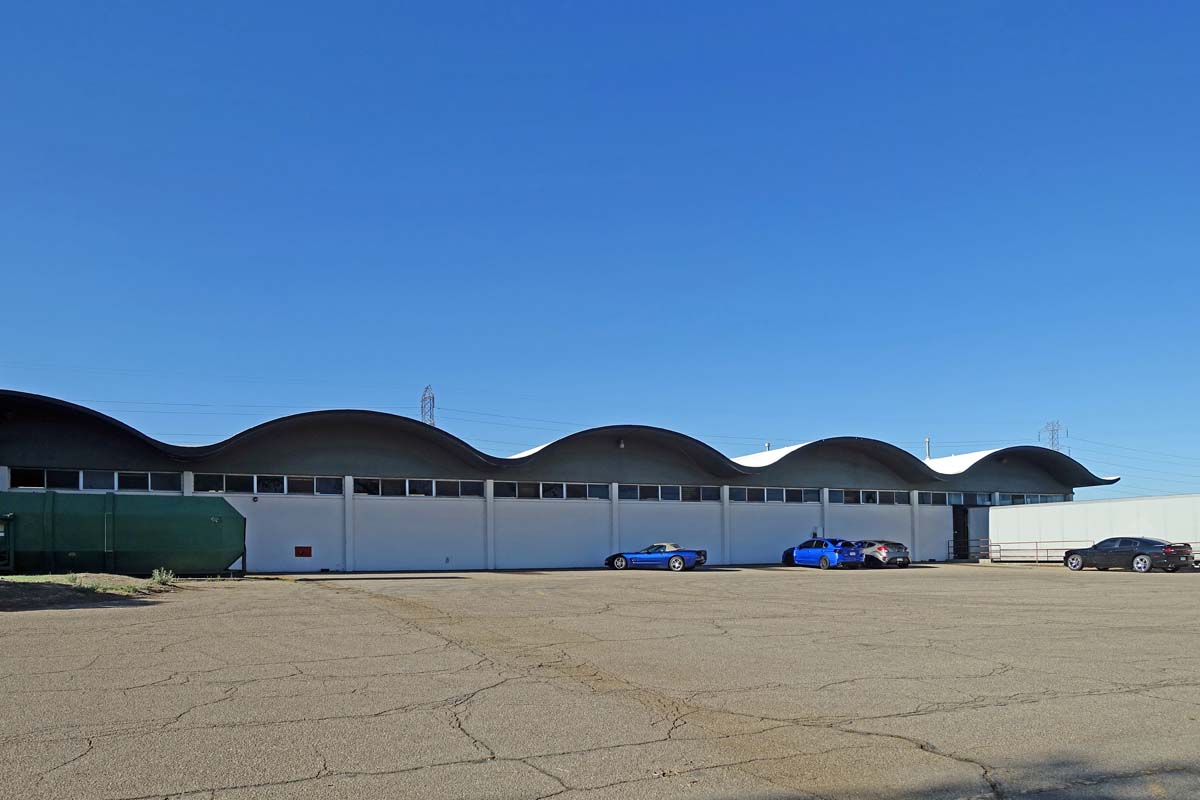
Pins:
x,y
881,553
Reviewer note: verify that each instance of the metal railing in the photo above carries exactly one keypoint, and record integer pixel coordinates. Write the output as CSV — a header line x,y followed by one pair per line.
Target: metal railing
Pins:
x,y
1049,552
967,550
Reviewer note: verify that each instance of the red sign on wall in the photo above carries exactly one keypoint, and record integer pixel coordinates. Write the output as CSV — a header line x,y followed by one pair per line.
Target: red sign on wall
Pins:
x,y
304,551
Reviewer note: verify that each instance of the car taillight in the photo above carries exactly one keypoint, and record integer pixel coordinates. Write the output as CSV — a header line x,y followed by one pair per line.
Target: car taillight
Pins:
x,y
881,549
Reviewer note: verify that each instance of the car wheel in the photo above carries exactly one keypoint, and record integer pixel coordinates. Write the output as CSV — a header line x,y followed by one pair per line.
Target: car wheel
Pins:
x,y
824,562
675,564
1142,563
871,562
903,565
1074,562
789,558
620,563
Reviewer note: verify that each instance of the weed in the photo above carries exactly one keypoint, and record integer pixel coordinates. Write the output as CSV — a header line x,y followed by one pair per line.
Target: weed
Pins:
x,y
162,576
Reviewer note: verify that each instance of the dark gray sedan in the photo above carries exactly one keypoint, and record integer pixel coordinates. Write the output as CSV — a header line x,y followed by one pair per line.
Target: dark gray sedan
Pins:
x,y
1139,554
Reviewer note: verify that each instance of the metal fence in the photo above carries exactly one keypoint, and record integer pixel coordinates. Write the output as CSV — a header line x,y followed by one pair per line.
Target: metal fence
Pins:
x,y
967,550
1050,552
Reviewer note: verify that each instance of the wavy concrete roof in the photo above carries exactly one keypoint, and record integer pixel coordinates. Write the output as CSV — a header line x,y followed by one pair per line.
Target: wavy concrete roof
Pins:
x,y
903,463
1058,464
1051,460
900,461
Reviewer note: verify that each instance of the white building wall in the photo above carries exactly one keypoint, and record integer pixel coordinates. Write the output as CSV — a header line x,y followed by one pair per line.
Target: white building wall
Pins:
x,y
869,522
552,533
935,530
276,525
696,526
365,533
1053,527
399,533
760,532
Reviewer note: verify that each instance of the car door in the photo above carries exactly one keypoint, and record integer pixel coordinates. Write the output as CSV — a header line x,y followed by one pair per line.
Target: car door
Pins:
x,y
1103,554
660,556
648,557
804,553
1125,553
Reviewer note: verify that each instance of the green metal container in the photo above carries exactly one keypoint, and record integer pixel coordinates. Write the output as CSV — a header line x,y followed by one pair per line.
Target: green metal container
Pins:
x,y
121,533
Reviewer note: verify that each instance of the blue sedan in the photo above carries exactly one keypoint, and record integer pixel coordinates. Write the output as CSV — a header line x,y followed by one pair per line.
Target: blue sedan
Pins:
x,y
661,555
825,553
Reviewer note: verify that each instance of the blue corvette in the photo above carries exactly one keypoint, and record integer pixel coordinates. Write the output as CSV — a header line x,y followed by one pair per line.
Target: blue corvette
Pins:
x,y
663,554
825,553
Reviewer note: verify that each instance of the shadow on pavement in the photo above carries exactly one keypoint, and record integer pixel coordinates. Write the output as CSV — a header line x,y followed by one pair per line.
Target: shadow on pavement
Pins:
x,y
41,595
350,576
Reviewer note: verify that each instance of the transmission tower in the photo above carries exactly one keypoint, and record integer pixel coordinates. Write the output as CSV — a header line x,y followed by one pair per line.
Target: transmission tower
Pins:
x,y
427,406
1050,434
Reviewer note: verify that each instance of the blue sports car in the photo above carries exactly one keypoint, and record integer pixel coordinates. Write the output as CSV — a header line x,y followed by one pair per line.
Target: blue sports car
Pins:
x,y
660,555
825,553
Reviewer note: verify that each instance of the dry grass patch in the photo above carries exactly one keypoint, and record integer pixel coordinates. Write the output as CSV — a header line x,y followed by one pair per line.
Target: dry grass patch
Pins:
x,y
27,592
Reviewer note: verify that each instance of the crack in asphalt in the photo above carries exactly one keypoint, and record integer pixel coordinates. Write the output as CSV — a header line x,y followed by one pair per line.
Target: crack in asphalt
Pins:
x,y
506,661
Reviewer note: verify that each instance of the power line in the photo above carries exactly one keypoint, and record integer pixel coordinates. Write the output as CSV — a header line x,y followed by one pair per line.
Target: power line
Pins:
x,y
1140,459
1139,469
1136,449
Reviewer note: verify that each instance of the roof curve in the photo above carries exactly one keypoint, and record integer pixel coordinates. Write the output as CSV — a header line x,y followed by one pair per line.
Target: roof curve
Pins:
x,y
903,463
1053,461
704,454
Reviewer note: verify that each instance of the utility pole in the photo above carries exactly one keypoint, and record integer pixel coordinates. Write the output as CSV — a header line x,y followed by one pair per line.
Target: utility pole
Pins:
x,y
427,406
1051,431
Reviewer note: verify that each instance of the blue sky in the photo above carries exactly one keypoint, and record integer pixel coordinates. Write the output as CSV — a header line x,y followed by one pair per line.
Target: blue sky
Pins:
x,y
748,222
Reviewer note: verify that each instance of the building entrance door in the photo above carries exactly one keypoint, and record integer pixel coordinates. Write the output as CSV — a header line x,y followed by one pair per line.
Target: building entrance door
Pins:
x,y
962,535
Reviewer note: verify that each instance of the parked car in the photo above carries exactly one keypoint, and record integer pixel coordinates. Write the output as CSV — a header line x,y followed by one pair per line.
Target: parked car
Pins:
x,y
880,553
825,553
1139,554
661,555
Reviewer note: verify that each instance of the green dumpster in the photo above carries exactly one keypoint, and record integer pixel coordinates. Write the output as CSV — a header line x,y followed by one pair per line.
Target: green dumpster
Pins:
x,y
120,533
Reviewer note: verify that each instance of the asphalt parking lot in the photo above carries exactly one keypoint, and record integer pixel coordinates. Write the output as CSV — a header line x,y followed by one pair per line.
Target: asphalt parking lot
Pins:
x,y
931,682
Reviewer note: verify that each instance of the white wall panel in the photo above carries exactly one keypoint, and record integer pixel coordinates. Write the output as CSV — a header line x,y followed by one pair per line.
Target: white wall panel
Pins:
x,y
696,526
869,522
276,525
419,533
1175,518
552,533
935,529
760,532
